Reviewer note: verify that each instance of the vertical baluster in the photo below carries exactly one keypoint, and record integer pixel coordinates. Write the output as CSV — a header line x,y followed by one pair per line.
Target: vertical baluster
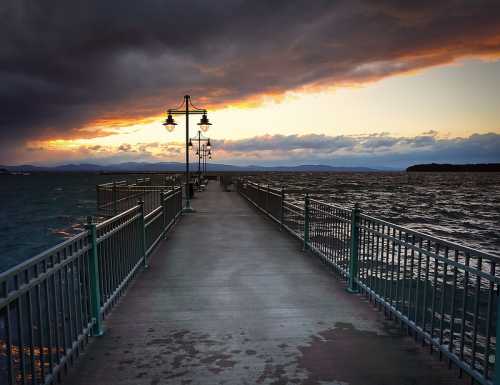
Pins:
x,y
366,247
451,347
488,320
497,339
164,212
9,342
48,318
102,257
398,272
404,305
443,301
335,242
115,199
328,241
142,232
67,278
372,262
84,286
55,297
476,312
20,332
41,343
347,239
387,297
410,283
306,222
426,287
435,286
77,281
464,310
377,259
354,265
31,335
282,208
393,252
94,279
418,286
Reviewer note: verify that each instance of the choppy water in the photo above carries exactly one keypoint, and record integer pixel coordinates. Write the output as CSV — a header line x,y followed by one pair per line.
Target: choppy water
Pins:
x,y
460,207
39,210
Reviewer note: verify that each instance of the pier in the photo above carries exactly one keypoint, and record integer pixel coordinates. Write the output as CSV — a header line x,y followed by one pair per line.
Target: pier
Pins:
x,y
249,289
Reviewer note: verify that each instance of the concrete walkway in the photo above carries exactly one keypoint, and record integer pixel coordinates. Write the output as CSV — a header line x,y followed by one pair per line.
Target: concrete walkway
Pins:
x,y
229,299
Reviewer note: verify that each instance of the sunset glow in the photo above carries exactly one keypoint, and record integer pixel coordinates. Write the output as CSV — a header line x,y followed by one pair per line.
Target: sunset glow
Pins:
x,y
441,76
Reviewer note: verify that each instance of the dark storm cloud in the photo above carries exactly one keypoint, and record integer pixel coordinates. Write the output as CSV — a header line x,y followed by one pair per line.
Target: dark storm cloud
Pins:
x,y
65,63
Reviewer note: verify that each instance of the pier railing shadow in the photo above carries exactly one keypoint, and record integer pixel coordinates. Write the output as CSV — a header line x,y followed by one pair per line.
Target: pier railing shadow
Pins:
x,y
444,294
51,303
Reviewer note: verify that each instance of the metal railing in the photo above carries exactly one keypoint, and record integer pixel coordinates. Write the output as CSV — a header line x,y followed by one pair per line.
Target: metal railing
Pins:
x,y
446,295
116,197
51,303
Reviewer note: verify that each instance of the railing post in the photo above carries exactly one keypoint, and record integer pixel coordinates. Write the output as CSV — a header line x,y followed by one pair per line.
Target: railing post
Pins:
x,y
163,209
98,196
306,222
95,291
282,219
143,232
115,207
267,198
353,263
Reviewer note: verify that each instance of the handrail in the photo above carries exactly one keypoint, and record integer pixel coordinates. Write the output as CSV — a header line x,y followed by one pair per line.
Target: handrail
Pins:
x,y
444,292
51,303
454,245
39,257
114,197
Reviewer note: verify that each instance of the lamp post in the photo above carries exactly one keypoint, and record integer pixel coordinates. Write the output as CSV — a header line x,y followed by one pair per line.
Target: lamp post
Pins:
x,y
200,138
207,153
187,108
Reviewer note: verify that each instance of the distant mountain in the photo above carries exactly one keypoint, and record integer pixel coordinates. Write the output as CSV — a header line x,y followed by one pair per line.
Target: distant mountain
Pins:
x,y
177,166
436,167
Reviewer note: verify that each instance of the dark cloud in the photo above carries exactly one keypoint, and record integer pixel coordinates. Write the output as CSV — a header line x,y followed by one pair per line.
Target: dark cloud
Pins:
x,y
65,63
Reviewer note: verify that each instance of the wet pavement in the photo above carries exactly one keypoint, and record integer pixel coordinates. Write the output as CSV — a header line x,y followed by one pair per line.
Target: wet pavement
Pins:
x,y
229,299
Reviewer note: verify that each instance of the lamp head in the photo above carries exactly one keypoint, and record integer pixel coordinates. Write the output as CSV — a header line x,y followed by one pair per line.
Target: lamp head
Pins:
x,y
204,123
170,123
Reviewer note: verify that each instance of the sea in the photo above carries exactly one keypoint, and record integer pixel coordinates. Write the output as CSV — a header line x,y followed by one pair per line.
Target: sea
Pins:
x,y
38,211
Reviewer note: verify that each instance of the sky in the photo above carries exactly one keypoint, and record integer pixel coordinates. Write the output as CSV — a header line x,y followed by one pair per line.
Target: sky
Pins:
x,y
347,83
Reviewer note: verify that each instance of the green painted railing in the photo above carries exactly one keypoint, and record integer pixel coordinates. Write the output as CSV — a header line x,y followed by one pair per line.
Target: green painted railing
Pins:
x,y
444,294
115,197
51,303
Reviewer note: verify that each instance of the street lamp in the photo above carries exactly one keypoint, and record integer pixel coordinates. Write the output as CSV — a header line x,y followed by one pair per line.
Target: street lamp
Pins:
x,y
204,123
187,108
206,152
200,138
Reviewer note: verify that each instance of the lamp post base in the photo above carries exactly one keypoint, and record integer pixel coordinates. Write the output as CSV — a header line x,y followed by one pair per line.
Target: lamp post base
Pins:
x,y
188,208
